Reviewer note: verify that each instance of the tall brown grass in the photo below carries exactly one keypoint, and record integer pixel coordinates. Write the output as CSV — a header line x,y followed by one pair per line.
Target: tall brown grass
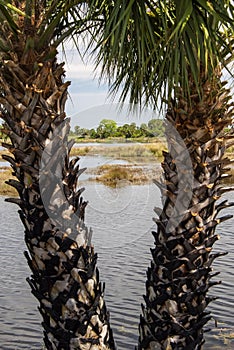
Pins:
x,y
6,190
115,175
153,150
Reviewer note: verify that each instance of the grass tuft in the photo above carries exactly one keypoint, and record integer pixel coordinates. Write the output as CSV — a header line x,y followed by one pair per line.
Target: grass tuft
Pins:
x,y
6,190
114,175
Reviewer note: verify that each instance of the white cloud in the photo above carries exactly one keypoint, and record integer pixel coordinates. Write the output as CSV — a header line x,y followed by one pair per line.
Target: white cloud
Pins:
x,y
79,70
74,66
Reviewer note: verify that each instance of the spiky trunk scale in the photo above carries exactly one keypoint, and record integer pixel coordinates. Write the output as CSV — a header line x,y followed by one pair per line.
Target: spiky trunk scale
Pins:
x,y
180,275
64,278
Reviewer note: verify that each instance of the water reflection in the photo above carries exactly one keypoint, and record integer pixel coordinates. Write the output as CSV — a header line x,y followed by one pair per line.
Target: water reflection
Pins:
x,y
121,220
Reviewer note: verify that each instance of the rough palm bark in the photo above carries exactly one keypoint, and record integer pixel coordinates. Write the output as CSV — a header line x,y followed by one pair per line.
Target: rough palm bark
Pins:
x,y
65,278
180,275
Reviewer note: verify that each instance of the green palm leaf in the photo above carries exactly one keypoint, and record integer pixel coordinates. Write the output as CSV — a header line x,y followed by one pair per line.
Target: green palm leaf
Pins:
x,y
6,9
176,39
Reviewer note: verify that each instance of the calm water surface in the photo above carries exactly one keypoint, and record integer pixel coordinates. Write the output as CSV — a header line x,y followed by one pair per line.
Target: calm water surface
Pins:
x,y
89,161
121,221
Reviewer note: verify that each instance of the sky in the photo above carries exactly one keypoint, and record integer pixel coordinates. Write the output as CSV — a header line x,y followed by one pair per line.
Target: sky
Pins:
x,y
88,101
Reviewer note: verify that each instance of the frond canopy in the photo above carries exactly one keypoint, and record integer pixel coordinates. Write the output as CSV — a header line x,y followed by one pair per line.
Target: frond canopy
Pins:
x,y
150,48
42,22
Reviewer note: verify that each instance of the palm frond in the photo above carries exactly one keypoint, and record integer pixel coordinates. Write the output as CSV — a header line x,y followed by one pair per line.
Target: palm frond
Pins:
x,y
62,20
54,21
148,48
6,14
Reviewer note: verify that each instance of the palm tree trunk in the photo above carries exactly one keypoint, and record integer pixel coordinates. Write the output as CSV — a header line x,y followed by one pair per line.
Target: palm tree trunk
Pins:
x,y
65,278
180,275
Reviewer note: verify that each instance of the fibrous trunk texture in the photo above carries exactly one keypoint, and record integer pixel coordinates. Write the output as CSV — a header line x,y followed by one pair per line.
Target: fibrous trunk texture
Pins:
x,y
180,275
64,277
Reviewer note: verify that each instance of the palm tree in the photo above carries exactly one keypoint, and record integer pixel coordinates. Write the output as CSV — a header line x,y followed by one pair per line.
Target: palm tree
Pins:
x,y
65,278
172,53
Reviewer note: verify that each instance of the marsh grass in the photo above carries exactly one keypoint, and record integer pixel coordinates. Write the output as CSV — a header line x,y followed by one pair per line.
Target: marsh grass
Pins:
x,y
6,190
115,175
152,150
80,151
230,179
133,150
116,140
4,152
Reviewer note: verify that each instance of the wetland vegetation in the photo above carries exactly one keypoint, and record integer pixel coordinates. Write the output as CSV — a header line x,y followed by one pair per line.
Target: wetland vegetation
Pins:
x,y
143,163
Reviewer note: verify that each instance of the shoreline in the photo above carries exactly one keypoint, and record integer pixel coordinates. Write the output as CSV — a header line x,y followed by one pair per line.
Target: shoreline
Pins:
x,y
143,165
111,175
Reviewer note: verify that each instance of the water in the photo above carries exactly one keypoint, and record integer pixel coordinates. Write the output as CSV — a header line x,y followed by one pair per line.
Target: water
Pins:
x,y
121,221
89,161
106,144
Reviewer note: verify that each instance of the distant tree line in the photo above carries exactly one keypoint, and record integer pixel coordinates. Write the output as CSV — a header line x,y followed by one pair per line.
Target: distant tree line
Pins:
x,y
109,128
